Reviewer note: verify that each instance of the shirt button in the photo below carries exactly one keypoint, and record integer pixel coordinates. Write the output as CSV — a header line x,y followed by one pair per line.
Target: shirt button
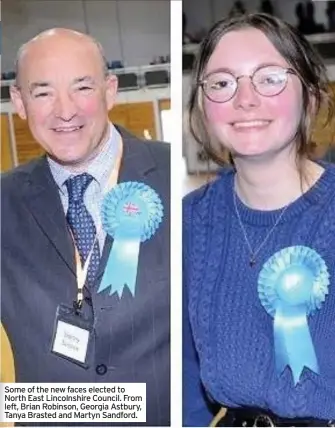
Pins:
x,y
101,369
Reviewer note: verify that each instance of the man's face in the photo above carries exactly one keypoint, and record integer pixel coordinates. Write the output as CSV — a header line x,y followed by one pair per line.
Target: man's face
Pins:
x,y
65,96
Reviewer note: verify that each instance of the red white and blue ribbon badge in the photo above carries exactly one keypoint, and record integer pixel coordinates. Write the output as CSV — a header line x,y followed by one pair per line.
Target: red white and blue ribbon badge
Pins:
x,y
292,285
131,213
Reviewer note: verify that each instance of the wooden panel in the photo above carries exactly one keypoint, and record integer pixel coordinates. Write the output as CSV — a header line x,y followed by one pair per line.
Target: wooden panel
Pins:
x,y
7,374
164,104
6,153
324,134
7,358
135,117
26,146
118,115
141,117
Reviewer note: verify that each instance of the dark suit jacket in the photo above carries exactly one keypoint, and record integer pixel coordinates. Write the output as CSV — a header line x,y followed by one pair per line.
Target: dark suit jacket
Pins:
x,y
132,334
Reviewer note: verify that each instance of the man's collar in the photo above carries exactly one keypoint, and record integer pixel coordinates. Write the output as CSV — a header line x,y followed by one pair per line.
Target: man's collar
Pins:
x,y
99,167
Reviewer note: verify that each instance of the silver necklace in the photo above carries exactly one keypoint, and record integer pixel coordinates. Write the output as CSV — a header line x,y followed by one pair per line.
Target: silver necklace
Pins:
x,y
254,253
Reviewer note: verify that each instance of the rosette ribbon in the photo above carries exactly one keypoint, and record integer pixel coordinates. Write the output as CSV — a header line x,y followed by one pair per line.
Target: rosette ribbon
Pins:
x,y
292,285
131,213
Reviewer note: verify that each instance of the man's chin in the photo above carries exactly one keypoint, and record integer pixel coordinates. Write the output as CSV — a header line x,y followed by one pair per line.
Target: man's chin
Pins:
x,y
71,161
76,159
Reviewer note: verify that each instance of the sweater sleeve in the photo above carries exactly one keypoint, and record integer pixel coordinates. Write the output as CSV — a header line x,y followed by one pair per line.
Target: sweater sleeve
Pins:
x,y
196,406
196,411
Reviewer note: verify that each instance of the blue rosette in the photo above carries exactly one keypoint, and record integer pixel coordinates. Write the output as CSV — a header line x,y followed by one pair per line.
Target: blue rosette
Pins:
x,y
292,285
131,213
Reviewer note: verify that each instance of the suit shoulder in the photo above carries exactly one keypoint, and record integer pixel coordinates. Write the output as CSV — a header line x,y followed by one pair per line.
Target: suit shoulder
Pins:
x,y
17,175
160,150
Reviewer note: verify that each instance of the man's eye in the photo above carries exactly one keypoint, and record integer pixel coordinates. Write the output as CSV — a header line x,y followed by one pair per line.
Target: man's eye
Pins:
x,y
85,88
42,94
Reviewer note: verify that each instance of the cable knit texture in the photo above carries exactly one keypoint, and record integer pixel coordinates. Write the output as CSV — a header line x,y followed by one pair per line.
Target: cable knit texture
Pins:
x,y
232,332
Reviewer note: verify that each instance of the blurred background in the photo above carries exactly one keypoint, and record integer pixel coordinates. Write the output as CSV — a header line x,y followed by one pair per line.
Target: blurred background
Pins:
x,y
135,35
311,17
315,19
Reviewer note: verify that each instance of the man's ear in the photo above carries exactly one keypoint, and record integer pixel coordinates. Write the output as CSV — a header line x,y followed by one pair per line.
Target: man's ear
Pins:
x,y
16,97
111,90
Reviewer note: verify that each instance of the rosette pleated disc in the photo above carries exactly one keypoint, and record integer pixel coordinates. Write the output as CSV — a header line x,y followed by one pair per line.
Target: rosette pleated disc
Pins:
x,y
133,206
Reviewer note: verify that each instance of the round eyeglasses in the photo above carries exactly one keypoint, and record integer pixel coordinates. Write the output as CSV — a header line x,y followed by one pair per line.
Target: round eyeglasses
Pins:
x,y
268,81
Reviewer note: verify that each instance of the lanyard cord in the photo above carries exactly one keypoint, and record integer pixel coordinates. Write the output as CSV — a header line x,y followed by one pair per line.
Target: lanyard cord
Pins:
x,y
81,272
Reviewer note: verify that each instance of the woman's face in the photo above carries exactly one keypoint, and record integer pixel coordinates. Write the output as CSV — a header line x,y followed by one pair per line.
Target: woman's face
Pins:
x,y
250,124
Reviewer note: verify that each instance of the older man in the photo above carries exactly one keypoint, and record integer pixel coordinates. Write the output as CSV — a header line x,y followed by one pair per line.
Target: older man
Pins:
x,y
85,231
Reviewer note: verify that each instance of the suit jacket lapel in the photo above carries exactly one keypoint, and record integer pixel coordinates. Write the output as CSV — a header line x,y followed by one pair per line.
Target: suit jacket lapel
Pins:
x,y
137,162
41,196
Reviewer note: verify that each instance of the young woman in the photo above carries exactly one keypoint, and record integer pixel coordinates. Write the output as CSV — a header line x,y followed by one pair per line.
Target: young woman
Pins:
x,y
259,242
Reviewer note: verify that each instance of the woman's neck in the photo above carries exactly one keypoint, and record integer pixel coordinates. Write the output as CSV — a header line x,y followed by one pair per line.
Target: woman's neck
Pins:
x,y
270,184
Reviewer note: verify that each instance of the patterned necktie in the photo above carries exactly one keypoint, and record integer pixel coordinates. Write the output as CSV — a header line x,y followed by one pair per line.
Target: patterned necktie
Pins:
x,y
81,223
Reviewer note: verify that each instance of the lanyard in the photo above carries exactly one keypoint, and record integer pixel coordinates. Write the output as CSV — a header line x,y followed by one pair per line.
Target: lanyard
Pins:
x,y
81,272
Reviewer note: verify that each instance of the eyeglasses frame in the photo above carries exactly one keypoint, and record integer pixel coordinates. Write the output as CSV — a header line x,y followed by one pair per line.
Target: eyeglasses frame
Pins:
x,y
202,83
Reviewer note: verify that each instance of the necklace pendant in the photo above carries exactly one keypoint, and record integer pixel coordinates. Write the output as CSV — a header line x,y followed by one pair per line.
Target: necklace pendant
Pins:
x,y
252,262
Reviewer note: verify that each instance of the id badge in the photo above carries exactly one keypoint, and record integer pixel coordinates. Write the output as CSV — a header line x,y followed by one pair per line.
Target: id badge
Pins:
x,y
72,336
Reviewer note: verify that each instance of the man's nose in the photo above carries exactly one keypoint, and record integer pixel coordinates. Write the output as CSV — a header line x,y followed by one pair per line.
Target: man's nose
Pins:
x,y
65,107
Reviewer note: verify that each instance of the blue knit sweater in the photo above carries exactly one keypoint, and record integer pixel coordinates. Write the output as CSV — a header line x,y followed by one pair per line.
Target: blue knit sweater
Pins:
x,y
228,336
